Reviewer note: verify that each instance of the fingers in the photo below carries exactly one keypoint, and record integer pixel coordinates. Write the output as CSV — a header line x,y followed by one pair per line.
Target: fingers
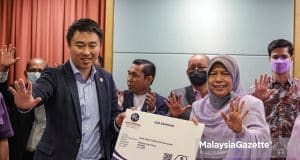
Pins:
x,y
151,99
240,107
172,98
187,107
256,83
17,86
245,114
11,49
167,103
16,60
194,120
120,95
261,79
3,49
12,91
29,88
179,99
231,105
264,79
269,79
237,103
120,118
271,92
234,104
22,86
37,100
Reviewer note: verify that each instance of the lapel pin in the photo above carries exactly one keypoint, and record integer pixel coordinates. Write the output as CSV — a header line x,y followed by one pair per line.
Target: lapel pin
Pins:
x,y
101,79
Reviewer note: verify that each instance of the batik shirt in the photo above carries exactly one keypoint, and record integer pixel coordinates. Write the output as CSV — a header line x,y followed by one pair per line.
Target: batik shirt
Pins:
x,y
281,110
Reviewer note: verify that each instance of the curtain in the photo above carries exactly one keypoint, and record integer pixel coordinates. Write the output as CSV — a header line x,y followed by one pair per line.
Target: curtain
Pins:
x,y
37,28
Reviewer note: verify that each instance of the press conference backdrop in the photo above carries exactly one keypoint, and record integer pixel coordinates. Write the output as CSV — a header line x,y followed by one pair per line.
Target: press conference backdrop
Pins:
x,y
168,32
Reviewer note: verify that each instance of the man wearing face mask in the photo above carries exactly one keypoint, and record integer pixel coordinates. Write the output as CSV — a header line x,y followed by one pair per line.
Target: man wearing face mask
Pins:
x,y
28,126
197,73
280,94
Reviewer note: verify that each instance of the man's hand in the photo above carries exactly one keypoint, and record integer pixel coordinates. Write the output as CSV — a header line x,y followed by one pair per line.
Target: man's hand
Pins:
x,y
120,98
23,96
119,119
261,88
296,88
150,101
175,105
194,120
7,57
235,119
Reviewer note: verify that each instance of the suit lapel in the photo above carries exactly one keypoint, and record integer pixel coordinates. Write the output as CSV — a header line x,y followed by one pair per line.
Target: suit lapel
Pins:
x,y
128,100
100,84
71,82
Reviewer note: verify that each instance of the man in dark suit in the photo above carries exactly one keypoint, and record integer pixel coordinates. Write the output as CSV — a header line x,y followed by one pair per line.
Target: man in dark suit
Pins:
x,y
183,98
80,100
139,96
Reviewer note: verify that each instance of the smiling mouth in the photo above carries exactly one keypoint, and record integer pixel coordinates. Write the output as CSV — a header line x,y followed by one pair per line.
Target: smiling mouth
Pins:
x,y
86,59
220,86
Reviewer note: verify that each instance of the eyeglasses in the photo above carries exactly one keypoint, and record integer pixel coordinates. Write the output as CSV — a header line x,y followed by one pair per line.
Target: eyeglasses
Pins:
x,y
193,68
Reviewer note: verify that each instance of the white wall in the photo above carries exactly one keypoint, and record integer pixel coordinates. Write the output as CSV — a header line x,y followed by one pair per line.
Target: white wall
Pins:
x,y
167,32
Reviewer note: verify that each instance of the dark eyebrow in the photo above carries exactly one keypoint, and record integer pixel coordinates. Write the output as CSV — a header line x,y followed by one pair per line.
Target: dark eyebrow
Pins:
x,y
79,42
92,43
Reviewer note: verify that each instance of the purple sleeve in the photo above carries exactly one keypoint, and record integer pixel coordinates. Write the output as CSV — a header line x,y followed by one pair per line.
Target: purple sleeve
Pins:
x,y
5,126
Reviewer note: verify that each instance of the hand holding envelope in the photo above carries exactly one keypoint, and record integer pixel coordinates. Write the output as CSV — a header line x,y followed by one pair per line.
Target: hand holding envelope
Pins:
x,y
149,136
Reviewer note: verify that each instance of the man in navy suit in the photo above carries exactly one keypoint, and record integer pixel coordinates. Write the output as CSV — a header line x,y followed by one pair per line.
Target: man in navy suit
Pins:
x,y
139,96
80,101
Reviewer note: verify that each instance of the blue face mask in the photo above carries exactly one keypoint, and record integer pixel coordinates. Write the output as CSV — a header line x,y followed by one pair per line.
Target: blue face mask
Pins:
x,y
33,76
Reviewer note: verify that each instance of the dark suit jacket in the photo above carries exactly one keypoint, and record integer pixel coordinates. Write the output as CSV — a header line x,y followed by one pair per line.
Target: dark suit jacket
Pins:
x,y
161,107
188,97
62,136
21,124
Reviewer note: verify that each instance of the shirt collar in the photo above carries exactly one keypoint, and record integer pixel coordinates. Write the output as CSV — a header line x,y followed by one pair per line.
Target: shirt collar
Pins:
x,y
78,75
289,82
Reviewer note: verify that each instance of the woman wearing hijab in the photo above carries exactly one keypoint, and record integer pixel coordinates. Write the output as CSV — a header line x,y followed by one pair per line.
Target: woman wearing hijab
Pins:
x,y
235,124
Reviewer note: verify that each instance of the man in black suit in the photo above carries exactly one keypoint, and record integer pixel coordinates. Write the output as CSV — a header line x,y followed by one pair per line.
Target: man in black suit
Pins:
x,y
80,100
197,72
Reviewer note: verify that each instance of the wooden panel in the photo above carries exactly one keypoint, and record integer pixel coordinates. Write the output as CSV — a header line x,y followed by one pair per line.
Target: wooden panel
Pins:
x,y
109,26
297,40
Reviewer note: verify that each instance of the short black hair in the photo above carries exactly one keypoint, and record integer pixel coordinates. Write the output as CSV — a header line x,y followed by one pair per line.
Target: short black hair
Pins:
x,y
281,43
84,25
149,67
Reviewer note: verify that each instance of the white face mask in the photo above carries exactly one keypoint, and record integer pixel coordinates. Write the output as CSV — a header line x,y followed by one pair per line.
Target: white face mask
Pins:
x,y
33,76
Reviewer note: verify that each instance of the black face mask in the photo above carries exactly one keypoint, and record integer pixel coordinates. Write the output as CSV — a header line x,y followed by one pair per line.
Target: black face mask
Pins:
x,y
198,78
